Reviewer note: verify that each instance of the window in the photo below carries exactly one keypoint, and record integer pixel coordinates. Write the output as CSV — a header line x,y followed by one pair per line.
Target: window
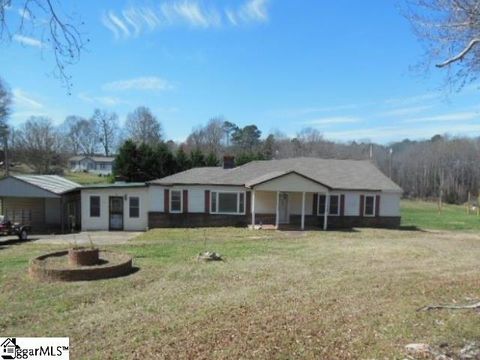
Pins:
x,y
94,206
334,208
369,208
134,207
103,166
227,202
334,205
175,201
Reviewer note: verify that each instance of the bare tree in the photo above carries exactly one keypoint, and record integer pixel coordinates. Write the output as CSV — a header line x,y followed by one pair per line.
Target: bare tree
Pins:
x,y
81,135
143,127
5,108
44,23
450,31
107,127
208,138
41,145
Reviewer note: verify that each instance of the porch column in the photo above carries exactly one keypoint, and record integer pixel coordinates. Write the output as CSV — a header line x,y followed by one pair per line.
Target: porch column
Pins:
x,y
303,211
277,217
253,208
327,210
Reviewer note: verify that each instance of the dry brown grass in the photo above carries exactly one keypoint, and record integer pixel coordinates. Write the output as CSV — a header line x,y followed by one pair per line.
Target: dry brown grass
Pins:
x,y
333,295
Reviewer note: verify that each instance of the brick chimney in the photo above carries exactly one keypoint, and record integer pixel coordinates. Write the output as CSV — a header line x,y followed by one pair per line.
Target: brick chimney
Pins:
x,y
228,162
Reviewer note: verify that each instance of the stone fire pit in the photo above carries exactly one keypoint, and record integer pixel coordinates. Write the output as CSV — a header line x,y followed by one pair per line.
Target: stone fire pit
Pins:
x,y
79,265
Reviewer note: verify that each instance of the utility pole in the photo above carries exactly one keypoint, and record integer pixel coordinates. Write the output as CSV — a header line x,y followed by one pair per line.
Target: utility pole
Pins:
x,y
390,163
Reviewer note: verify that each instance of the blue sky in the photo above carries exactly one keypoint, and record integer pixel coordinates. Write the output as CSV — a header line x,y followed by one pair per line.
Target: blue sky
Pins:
x,y
340,66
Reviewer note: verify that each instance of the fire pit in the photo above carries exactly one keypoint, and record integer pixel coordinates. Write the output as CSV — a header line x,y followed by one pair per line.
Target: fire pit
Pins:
x,y
79,265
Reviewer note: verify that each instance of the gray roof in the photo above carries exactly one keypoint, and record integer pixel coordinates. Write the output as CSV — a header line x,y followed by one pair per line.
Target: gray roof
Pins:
x,y
115,185
95,158
53,183
334,174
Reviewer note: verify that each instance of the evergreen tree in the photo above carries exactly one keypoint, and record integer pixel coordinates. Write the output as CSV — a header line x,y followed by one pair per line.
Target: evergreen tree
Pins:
x,y
212,160
126,162
197,158
183,162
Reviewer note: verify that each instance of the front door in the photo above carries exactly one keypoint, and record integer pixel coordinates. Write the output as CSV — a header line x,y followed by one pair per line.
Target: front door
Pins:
x,y
116,213
283,216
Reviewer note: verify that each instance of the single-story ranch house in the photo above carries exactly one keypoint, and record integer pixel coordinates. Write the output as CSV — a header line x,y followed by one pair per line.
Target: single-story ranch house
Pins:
x,y
98,164
298,192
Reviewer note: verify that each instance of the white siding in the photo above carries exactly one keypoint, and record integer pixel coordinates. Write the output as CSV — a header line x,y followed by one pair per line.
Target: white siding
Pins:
x,y
265,202
291,182
390,204
102,222
352,204
156,195
196,200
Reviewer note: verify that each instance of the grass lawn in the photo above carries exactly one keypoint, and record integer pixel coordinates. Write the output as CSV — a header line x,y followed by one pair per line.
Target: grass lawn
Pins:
x,y
425,215
283,295
86,178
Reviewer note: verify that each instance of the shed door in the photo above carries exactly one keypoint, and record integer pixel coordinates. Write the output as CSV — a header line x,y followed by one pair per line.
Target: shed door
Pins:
x,y
116,213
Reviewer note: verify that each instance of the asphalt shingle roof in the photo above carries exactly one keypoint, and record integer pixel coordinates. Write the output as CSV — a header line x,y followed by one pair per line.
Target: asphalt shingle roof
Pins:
x,y
53,183
335,174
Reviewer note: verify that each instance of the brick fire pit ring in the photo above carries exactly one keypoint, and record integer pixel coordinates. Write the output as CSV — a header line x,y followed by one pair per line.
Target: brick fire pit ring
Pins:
x,y
55,267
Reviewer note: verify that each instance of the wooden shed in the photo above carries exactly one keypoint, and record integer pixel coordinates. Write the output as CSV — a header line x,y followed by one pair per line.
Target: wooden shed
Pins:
x,y
48,203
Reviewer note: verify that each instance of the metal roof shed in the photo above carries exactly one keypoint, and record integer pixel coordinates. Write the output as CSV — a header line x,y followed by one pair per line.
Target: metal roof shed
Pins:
x,y
45,202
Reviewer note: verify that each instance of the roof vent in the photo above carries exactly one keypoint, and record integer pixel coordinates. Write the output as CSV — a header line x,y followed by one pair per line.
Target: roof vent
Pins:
x,y
228,162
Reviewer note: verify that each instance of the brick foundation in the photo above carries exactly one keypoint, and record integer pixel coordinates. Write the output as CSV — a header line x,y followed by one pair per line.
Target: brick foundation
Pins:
x,y
190,220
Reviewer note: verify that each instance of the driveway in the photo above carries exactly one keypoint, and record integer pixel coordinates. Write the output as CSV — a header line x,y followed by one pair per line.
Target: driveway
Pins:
x,y
83,238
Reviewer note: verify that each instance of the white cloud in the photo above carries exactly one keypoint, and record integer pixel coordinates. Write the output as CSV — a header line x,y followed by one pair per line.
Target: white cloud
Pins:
x,y
23,100
28,41
109,101
140,83
405,111
250,11
334,120
459,116
134,20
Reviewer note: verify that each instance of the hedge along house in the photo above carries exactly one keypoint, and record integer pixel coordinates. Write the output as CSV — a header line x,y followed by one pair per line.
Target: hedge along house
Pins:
x,y
48,203
300,191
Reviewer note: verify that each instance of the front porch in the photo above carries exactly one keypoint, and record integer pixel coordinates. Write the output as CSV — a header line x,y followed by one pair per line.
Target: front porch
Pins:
x,y
289,210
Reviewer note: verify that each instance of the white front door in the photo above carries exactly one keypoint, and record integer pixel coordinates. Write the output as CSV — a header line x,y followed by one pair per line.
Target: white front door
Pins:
x,y
283,215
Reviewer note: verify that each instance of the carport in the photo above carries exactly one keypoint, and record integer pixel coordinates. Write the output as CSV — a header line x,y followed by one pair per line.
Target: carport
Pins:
x,y
48,203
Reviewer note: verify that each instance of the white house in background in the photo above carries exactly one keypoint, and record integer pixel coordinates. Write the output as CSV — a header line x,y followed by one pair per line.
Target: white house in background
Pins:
x,y
299,192
101,165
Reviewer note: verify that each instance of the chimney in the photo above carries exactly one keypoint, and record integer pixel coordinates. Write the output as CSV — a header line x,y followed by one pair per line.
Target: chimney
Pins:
x,y
228,162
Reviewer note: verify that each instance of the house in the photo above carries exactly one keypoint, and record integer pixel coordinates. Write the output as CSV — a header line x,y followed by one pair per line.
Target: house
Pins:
x,y
48,203
101,165
9,348
300,192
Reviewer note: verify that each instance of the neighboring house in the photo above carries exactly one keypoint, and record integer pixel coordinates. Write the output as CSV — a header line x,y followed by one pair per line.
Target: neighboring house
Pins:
x,y
45,202
102,165
300,192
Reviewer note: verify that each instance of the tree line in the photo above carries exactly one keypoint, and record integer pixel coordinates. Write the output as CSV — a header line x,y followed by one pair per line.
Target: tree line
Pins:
x,y
442,166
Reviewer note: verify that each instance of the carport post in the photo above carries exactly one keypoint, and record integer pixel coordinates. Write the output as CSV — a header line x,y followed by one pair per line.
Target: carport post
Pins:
x,y
277,218
253,208
303,211
327,210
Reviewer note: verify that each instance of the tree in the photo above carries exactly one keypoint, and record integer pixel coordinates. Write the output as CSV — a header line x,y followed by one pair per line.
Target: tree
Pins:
x,y
197,159
450,31
229,128
212,160
143,127
183,162
247,138
107,126
5,109
144,162
41,145
208,138
43,23
81,134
